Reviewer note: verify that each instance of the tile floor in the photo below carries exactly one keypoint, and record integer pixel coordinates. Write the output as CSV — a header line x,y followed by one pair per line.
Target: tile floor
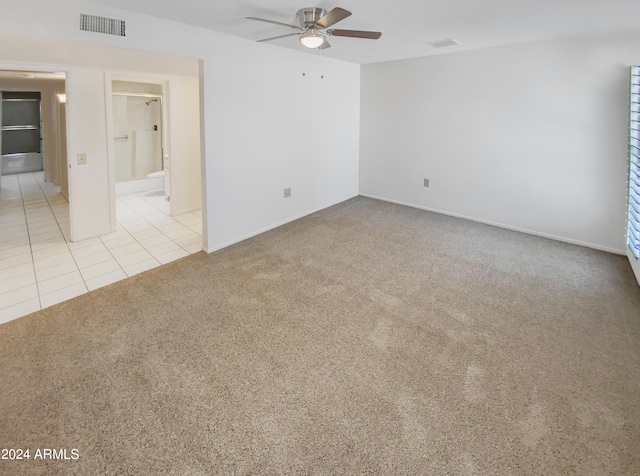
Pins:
x,y
40,266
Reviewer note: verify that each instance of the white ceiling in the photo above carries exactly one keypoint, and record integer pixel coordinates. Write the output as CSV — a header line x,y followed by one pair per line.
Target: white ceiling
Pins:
x,y
406,25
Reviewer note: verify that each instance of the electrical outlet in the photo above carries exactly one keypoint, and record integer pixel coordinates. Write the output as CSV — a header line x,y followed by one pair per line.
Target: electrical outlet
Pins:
x,y
287,192
426,182
82,159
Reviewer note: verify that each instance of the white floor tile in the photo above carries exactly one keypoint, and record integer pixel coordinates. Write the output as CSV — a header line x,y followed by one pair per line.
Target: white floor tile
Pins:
x,y
59,282
54,260
124,240
38,214
43,227
172,256
16,271
189,239
95,258
175,234
192,221
141,267
133,258
161,220
13,243
105,279
89,250
126,249
155,241
15,251
17,282
63,294
138,227
99,269
18,310
17,296
57,270
16,260
41,245
114,235
163,248
184,217
51,251
76,245
7,230
149,233
173,226
196,247
46,237
35,233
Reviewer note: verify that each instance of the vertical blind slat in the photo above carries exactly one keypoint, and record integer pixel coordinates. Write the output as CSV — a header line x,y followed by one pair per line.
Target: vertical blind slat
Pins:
x,y
633,211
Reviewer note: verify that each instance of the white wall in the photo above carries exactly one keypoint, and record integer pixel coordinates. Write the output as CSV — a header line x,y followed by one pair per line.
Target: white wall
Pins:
x,y
182,101
255,105
88,184
531,137
269,127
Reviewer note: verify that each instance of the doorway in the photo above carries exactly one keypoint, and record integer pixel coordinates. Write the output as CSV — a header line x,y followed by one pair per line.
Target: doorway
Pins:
x,y
138,143
34,129
145,128
21,132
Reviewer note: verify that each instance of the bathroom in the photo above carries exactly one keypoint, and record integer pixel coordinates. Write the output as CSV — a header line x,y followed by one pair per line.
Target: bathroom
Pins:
x,y
32,113
140,164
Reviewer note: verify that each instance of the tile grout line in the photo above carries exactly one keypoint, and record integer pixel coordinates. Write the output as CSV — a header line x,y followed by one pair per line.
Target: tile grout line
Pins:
x,y
65,242
30,180
33,260
131,235
151,224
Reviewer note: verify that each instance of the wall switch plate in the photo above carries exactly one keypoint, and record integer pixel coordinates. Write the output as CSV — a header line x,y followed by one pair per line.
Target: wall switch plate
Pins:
x,y
287,192
82,159
426,182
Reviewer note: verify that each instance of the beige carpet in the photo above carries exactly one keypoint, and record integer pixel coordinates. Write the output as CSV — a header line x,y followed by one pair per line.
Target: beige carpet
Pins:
x,y
368,338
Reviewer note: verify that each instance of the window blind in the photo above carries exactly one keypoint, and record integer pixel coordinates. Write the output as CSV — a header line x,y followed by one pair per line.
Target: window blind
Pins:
x,y
633,221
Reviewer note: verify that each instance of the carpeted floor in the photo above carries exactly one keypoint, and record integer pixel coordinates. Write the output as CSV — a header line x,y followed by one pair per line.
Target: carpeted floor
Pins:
x,y
368,338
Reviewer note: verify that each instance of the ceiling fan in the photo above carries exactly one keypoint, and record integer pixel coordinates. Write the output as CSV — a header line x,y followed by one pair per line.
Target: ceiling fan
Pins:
x,y
314,24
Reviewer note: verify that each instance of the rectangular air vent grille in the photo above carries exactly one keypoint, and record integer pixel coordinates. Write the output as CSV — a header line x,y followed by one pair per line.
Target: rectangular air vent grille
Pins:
x,y
443,43
96,24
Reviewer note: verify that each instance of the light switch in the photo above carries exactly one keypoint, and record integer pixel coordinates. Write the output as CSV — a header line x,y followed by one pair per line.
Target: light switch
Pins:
x,y
82,159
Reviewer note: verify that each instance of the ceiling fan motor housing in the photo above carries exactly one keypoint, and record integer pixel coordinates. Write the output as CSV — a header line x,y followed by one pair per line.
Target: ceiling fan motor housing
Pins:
x,y
309,16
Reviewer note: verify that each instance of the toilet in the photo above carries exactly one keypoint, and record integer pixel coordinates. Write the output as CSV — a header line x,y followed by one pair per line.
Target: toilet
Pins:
x,y
156,180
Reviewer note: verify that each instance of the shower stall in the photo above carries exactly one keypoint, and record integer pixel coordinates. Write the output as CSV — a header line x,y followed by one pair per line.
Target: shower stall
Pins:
x,y
21,132
138,142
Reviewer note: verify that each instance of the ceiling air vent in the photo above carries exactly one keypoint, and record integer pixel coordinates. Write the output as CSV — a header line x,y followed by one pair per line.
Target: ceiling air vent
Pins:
x,y
443,43
96,24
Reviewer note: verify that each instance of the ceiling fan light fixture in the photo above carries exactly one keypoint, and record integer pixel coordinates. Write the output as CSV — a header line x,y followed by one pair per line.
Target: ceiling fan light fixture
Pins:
x,y
312,39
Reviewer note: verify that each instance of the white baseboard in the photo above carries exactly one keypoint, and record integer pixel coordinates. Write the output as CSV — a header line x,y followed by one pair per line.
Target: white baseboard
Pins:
x,y
271,227
502,225
186,210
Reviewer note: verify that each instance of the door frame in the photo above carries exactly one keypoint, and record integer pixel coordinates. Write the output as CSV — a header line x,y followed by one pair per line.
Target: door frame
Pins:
x,y
67,71
131,77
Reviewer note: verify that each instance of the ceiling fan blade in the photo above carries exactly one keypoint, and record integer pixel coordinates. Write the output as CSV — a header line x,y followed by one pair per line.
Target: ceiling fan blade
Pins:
x,y
274,22
277,37
371,35
333,17
325,45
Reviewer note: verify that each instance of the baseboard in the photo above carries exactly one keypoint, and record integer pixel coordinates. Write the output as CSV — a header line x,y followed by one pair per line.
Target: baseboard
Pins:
x,y
271,227
186,210
501,225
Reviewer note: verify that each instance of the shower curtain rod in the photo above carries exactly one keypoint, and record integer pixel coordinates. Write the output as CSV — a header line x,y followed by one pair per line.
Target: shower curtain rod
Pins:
x,y
141,95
